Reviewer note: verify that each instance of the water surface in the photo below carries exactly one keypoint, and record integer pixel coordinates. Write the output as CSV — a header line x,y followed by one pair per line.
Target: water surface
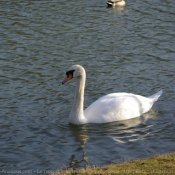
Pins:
x,y
122,50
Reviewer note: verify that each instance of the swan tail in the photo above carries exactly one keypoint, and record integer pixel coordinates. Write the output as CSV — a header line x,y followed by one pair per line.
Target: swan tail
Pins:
x,y
156,96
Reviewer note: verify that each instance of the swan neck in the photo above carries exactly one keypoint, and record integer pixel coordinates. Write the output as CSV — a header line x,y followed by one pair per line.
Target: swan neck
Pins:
x,y
79,94
76,116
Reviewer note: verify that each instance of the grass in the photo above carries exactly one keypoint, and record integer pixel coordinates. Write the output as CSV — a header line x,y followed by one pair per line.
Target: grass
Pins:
x,y
159,164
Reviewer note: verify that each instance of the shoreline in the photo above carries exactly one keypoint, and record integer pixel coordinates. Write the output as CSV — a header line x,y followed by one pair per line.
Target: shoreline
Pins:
x,y
159,164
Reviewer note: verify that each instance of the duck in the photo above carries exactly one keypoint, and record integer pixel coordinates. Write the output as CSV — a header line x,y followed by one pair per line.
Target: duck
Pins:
x,y
114,3
109,108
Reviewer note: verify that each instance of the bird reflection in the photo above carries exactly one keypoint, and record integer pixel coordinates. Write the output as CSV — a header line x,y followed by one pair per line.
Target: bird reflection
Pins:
x,y
81,136
118,9
128,128
120,132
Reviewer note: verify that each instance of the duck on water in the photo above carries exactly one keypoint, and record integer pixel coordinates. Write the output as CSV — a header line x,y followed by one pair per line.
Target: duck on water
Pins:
x,y
115,3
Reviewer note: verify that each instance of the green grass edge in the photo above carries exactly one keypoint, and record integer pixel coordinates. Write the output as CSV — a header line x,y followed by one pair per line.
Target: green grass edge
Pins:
x,y
159,164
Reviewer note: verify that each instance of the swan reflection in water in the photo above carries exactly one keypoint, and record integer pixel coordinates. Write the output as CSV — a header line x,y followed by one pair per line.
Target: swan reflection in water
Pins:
x,y
120,132
81,135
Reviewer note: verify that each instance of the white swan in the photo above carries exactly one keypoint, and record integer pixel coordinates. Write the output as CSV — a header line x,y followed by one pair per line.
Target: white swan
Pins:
x,y
114,3
111,107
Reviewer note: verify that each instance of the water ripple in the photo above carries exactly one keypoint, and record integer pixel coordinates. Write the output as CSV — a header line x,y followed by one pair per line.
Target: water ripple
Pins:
x,y
129,49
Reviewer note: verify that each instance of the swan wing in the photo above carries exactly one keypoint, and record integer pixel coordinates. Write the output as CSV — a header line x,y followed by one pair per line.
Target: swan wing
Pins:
x,y
116,107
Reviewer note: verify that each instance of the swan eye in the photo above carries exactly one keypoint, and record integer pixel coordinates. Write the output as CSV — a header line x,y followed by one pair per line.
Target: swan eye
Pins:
x,y
70,72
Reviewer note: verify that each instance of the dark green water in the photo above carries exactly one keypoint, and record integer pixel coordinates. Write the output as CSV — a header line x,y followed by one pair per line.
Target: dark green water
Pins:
x,y
122,50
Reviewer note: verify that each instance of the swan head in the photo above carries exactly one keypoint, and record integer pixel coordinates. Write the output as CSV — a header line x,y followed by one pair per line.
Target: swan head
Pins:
x,y
75,71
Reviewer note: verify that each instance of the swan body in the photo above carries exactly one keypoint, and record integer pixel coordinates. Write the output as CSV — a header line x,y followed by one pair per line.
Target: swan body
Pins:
x,y
109,108
114,3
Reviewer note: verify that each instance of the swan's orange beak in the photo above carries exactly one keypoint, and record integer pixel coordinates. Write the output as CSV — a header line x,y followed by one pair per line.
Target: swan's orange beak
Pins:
x,y
69,76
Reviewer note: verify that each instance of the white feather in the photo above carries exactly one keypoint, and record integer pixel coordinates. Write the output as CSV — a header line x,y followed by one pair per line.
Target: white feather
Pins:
x,y
109,108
